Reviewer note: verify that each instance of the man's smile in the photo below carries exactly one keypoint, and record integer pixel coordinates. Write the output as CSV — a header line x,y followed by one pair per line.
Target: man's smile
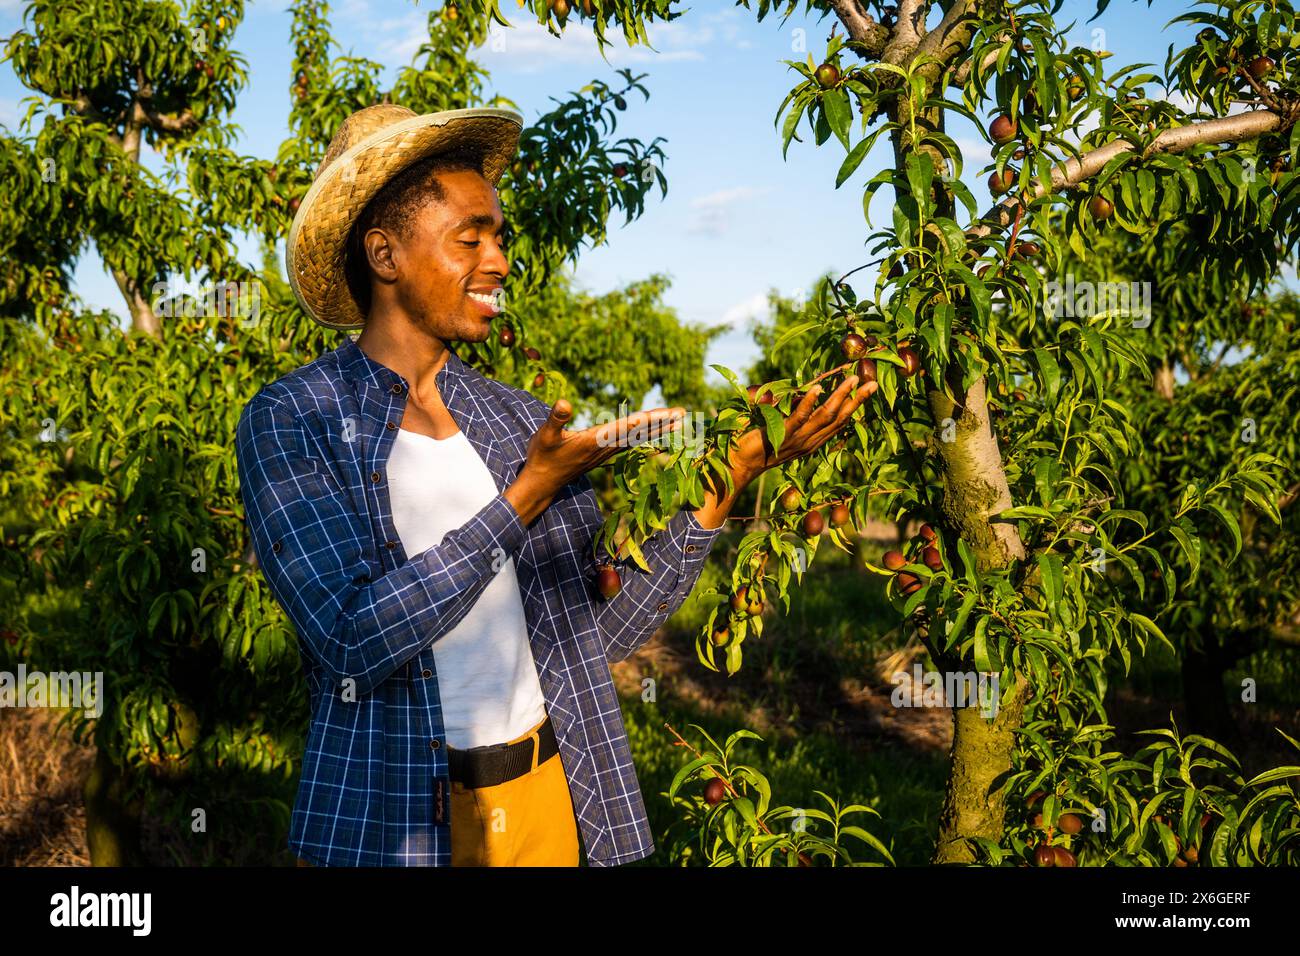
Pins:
x,y
488,301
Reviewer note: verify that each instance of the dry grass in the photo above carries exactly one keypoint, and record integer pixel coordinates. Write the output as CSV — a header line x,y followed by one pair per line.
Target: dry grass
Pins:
x,y
42,815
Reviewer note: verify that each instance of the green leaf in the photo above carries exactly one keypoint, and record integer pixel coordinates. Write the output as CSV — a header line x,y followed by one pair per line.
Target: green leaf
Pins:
x,y
774,425
1277,773
1049,372
635,551
920,175
839,113
983,662
1191,547
1053,578
959,622
852,161
1229,522
730,376
685,772
1149,626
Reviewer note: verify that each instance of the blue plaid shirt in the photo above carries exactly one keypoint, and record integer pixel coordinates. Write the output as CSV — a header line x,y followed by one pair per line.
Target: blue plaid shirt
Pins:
x,y
374,790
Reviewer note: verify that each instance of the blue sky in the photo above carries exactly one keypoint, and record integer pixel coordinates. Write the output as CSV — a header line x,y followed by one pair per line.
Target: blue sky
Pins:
x,y
738,219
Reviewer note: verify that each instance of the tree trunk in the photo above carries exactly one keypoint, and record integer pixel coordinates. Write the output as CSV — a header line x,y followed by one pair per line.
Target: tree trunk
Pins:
x,y
974,804
1164,381
975,489
112,825
974,482
143,318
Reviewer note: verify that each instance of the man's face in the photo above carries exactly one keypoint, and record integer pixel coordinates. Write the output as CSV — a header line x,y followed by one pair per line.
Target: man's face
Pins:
x,y
451,266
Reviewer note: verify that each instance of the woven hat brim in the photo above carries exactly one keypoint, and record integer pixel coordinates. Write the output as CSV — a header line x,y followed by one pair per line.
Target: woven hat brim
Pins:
x,y
317,238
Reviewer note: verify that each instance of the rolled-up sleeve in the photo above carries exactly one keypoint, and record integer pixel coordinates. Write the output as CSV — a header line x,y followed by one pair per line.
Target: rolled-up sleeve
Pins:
x,y
312,547
676,557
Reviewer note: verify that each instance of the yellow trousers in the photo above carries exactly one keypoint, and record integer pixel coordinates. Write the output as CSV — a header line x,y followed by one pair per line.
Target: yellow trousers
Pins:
x,y
528,821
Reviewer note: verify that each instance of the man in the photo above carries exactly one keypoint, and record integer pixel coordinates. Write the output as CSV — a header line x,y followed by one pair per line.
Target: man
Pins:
x,y
430,531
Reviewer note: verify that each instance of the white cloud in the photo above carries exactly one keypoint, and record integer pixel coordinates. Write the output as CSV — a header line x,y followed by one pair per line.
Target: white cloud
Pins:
x,y
754,307
361,27
1178,98
402,37
528,46
974,152
711,213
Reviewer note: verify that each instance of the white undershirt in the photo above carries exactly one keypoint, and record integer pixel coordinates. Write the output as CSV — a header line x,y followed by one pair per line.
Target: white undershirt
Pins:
x,y
487,678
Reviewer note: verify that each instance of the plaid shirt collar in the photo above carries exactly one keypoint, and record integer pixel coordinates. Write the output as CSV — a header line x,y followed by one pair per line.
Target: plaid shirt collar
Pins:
x,y
360,368
463,390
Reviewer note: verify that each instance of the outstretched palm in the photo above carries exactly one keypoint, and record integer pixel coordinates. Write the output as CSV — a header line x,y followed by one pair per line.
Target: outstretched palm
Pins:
x,y
807,427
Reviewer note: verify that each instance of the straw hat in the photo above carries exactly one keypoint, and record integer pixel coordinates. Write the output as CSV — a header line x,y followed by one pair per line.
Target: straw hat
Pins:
x,y
370,148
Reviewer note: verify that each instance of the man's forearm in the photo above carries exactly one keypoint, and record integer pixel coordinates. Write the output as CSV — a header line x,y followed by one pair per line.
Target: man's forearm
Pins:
x,y
528,497
718,502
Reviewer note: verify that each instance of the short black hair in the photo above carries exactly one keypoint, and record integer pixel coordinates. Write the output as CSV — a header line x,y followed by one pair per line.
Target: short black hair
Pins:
x,y
395,207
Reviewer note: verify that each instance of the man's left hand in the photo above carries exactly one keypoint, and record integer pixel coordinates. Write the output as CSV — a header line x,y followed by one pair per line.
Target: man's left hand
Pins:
x,y
807,428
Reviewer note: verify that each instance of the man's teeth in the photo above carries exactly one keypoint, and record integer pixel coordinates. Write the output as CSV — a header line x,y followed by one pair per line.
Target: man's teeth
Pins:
x,y
484,298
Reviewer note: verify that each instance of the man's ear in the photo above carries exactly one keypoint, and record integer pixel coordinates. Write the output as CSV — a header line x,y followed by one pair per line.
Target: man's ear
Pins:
x,y
379,254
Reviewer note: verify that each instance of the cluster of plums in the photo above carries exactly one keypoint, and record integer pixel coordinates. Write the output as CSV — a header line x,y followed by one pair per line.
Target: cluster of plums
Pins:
x,y
742,603
861,347
813,523
895,561
1187,855
1044,853
562,8
507,338
1003,130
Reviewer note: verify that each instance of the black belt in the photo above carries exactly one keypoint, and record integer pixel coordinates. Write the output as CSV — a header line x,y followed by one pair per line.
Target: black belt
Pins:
x,y
497,763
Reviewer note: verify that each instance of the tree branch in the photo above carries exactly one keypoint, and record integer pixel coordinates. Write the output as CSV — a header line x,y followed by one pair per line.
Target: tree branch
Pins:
x,y
1285,634
181,122
1072,172
908,32
83,106
1223,352
861,28
1289,498
143,318
951,35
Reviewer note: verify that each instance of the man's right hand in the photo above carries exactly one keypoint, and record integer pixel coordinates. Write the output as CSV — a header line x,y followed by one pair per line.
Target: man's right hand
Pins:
x,y
556,457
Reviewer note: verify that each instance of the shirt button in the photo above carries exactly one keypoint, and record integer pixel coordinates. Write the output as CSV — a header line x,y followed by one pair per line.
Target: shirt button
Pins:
x,y
426,674
374,476
690,549
390,425
663,607
276,547
390,545
397,388
434,745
